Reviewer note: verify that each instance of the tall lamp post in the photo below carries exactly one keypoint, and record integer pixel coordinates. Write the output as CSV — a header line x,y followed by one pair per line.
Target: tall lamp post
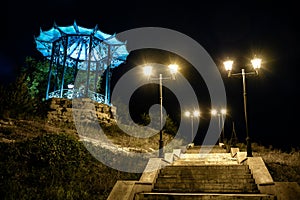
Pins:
x,y
148,72
223,113
194,114
256,64
220,113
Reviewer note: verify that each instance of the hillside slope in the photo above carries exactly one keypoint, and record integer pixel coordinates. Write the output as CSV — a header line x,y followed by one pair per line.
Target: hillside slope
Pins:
x,y
42,160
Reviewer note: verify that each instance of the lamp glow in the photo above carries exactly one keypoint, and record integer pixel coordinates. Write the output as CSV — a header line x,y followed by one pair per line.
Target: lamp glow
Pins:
x,y
148,70
228,65
70,86
173,68
256,63
223,111
214,112
187,113
196,113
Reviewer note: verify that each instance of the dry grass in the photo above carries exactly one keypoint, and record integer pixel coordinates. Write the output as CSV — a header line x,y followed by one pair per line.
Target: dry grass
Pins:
x,y
283,166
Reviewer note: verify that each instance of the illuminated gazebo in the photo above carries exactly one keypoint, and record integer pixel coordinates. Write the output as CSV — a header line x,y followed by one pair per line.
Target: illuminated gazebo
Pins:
x,y
78,57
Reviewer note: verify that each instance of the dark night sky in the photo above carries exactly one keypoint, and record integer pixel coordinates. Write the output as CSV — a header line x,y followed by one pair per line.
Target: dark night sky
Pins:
x,y
234,28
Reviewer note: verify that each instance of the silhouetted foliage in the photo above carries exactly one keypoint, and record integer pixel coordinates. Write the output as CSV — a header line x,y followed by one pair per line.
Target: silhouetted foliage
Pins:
x,y
15,99
36,73
54,166
24,97
170,126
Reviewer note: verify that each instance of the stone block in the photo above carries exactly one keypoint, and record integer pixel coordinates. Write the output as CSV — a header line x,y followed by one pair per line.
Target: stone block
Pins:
x,y
169,157
259,170
122,190
234,151
151,170
177,152
241,157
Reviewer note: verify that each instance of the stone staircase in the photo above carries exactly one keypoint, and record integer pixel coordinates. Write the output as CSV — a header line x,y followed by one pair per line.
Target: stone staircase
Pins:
x,y
213,175
206,179
207,148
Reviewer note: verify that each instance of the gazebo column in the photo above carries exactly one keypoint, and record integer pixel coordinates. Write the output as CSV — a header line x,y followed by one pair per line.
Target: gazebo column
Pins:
x,y
89,67
57,65
96,75
65,45
49,74
107,82
76,63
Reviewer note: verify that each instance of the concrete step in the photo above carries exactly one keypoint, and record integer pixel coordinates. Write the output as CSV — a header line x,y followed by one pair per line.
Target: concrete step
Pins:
x,y
208,180
205,155
205,176
202,196
206,148
206,167
209,187
205,158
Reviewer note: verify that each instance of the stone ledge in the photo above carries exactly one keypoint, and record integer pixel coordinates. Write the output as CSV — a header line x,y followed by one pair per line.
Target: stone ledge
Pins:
x,y
122,190
241,156
125,190
259,170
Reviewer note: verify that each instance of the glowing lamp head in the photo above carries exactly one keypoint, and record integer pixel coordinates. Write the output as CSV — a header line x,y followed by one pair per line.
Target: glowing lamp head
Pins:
x,y
214,112
70,86
256,63
148,70
228,65
173,68
196,113
187,114
223,111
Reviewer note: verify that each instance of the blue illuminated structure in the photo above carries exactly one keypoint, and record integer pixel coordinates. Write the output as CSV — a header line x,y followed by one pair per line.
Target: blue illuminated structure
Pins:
x,y
75,50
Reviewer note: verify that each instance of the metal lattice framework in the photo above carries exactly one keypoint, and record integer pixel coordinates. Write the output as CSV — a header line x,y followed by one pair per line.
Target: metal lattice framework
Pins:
x,y
75,50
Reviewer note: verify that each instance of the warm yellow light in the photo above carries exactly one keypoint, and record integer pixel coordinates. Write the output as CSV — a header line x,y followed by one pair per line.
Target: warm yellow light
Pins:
x,y
228,65
148,70
196,113
173,68
256,63
214,112
223,111
187,113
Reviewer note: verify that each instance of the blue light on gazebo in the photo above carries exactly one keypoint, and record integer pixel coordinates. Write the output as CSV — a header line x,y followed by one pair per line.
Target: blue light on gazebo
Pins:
x,y
74,50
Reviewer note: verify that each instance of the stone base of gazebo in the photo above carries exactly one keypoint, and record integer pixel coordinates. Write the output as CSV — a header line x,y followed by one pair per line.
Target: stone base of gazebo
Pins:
x,y
87,110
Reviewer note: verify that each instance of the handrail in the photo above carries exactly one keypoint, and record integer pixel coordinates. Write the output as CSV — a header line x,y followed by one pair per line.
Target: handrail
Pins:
x,y
76,93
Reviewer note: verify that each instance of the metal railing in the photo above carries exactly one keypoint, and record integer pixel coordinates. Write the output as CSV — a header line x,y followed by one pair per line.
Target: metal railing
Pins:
x,y
76,93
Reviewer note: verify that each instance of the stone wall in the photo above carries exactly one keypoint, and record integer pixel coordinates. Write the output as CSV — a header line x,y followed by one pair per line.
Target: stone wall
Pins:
x,y
62,110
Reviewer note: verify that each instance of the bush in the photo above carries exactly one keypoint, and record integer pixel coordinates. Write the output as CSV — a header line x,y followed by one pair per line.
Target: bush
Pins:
x,y
15,100
54,166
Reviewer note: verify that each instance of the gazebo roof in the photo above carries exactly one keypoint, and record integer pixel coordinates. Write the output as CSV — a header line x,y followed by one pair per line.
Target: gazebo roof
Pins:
x,y
77,40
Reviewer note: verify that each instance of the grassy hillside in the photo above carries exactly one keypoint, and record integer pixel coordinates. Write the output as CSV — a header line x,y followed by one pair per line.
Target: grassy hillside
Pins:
x,y
283,166
39,160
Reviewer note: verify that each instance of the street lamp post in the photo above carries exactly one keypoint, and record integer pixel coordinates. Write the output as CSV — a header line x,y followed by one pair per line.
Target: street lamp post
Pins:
x,y
256,63
223,113
220,114
196,114
148,72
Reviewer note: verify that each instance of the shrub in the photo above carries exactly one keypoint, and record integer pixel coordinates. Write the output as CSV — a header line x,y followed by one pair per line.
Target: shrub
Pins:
x,y
54,166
